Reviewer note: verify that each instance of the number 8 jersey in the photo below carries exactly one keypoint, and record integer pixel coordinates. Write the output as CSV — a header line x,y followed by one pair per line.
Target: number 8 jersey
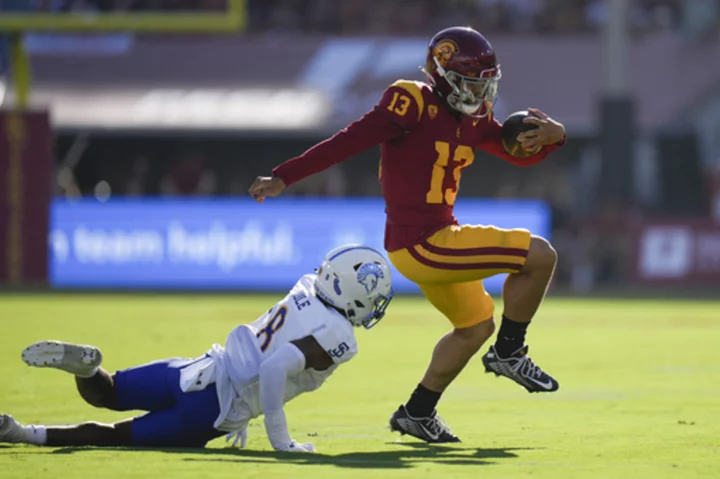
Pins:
x,y
425,145
297,315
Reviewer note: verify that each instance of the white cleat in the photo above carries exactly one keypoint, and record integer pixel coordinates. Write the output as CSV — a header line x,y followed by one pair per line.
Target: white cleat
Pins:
x,y
80,360
11,430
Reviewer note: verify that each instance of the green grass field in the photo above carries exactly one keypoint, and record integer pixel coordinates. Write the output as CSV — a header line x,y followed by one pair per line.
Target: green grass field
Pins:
x,y
639,396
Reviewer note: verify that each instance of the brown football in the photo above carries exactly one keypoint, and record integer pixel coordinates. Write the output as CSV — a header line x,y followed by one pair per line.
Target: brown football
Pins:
x,y
511,128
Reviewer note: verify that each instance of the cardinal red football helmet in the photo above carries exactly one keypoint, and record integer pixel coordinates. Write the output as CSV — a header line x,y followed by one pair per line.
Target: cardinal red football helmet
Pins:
x,y
462,67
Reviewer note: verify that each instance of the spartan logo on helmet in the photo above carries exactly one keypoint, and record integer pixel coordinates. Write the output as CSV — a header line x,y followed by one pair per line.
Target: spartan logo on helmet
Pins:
x,y
445,50
368,275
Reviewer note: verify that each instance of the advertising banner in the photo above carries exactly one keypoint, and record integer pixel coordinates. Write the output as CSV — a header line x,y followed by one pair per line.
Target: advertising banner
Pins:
x,y
682,252
231,244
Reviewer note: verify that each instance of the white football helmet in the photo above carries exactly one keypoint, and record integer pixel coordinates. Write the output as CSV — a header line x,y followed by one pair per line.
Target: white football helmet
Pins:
x,y
355,279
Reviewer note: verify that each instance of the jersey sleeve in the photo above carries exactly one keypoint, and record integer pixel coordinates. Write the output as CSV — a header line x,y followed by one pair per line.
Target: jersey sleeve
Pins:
x,y
337,340
491,142
402,103
398,111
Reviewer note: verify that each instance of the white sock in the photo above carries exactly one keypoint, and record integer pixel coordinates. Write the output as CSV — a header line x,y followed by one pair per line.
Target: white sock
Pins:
x,y
36,435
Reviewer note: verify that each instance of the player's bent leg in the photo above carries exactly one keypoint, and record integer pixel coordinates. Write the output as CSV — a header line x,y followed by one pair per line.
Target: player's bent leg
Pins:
x,y
153,386
94,384
149,387
177,419
98,390
450,265
523,293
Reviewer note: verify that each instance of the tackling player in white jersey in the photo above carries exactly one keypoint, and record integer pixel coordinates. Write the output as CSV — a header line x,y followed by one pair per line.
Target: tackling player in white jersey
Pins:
x,y
291,349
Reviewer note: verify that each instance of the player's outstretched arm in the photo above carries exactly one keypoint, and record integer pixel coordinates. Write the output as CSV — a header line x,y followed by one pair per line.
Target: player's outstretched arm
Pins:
x,y
291,358
548,137
396,112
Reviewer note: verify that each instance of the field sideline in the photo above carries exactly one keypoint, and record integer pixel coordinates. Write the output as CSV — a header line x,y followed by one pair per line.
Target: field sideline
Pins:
x,y
639,395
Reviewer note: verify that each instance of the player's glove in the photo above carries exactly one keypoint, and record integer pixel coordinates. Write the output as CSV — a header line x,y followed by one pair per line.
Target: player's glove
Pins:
x,y
240,436
298,447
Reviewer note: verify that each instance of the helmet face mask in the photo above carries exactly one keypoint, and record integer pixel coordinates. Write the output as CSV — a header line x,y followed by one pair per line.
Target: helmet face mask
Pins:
x,y
355,280
473,96
462,67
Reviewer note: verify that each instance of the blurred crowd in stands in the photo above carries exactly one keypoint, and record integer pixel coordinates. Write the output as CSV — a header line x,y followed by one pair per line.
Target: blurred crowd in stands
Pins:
x,y
517,16
394,17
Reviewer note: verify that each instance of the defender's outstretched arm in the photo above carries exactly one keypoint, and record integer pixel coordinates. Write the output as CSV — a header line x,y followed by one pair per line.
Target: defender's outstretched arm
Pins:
x,y
291,358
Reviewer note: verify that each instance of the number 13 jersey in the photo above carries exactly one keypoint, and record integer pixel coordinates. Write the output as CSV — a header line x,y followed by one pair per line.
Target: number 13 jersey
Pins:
x,y
425,145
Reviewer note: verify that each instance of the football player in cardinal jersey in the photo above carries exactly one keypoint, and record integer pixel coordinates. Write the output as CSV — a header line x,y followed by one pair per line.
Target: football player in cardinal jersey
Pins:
x,y
291,349
428,133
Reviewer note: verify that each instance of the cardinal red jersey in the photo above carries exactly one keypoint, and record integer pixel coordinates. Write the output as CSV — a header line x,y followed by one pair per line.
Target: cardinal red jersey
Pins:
x,y
425,145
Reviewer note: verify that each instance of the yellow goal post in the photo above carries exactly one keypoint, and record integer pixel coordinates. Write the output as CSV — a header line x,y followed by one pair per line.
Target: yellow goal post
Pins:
x,y
233,19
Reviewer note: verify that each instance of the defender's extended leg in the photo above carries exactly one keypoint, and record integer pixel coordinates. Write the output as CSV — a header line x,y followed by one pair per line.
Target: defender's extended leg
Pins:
x,y
85,434
91,434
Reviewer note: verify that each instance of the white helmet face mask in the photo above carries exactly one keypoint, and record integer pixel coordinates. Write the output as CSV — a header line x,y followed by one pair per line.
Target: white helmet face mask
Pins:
x,y
356,280
470,94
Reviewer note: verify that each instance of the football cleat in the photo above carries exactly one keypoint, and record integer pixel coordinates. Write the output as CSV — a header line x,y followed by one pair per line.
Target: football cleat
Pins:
x,y
520,368
430,429
10,429
75,359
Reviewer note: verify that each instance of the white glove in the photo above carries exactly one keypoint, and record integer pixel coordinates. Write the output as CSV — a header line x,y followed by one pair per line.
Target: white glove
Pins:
x,y
240,436
298,447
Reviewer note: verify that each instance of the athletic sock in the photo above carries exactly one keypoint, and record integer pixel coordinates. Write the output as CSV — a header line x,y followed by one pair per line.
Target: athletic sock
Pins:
x,y
36,435
510,338
422,402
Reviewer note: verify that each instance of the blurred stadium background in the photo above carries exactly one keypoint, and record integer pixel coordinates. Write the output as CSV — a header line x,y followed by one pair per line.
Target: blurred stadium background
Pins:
x,y
130,131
